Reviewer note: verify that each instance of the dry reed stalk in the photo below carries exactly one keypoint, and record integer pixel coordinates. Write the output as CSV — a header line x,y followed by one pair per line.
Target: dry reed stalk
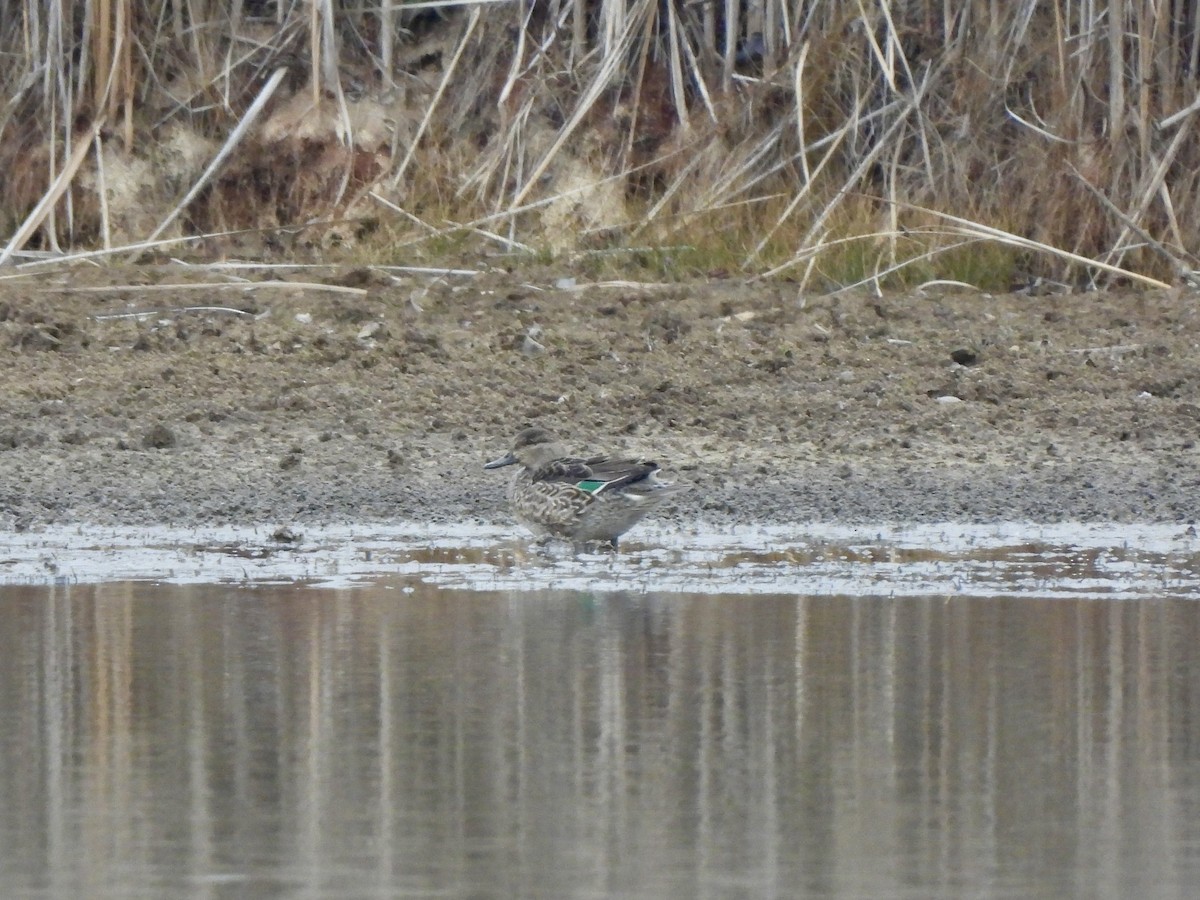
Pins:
x,y
984,232
51,197
877,277
463,41
987,111
1173,257
1155,182
102,192
244,286
58,259
868,160
802,195
232,141
609,69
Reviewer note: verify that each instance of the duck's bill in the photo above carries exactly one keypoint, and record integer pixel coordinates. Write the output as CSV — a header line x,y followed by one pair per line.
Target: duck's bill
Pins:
x,y
507,460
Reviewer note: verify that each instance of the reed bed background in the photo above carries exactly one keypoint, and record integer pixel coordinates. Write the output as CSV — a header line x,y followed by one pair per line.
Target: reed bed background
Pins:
x,y
837,142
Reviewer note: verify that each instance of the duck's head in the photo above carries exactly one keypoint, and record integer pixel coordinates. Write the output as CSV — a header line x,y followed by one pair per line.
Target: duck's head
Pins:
x,y
532,447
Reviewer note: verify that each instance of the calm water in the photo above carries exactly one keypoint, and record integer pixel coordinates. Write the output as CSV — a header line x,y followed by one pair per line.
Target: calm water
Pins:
x,y
208,741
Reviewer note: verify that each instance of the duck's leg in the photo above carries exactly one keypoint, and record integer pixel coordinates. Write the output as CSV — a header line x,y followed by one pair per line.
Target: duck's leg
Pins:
x,y
594,546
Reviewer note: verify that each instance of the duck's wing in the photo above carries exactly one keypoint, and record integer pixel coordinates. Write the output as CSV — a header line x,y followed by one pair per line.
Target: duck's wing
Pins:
x,y
594,474
567,468
615,473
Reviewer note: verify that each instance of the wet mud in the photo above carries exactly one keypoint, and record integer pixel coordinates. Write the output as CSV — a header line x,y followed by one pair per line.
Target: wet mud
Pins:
x,y
178,396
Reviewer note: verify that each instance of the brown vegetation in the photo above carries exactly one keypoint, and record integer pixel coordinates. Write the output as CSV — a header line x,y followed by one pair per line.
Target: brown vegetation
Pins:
x,y
835,141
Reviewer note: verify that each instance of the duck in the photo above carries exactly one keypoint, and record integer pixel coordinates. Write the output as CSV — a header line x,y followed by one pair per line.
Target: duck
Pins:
x,y
584,500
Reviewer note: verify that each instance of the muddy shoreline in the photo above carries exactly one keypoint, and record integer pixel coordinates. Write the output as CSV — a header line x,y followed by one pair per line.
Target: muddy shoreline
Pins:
x,y
163,395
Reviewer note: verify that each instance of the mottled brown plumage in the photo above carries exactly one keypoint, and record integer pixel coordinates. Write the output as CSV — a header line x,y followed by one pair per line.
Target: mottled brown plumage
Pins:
x,y
580,499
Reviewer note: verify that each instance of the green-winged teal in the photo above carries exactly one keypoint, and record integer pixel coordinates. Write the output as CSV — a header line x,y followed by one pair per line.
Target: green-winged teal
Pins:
x,y
581,500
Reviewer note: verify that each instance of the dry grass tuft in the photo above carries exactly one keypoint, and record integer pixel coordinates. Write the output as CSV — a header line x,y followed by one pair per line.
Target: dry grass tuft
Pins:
x,y
829,141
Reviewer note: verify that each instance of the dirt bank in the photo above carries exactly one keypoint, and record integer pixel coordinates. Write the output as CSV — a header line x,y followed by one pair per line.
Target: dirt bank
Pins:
x,y
358,396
